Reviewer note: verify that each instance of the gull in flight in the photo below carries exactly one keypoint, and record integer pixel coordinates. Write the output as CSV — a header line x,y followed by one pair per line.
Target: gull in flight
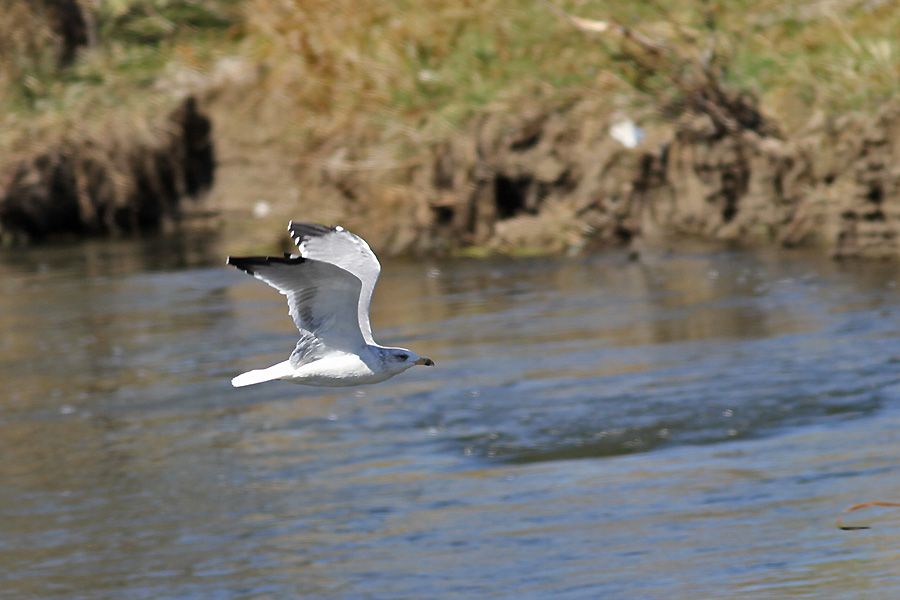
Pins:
x,y
328,288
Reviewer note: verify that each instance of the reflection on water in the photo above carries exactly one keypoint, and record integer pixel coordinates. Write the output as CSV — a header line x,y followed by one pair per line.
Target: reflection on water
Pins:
x,y
684,426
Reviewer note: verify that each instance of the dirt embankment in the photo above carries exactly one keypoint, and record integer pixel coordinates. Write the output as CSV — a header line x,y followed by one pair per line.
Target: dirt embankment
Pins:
x,y
546,180
108,184
555,180
834,185
542,177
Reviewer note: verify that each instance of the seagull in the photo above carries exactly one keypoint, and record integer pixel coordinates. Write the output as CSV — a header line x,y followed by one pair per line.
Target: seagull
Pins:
x,y
328,288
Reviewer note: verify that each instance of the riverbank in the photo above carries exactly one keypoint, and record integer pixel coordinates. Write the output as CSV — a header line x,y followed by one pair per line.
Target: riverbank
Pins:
x,y
521,129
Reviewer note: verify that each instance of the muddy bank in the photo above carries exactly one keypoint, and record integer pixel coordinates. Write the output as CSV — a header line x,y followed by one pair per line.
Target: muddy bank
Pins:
x,y
305,129
556,181
112,183
834,186
543,180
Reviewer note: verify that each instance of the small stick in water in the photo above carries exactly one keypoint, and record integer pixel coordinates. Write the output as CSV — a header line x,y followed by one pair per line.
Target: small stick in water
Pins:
x,y
861,505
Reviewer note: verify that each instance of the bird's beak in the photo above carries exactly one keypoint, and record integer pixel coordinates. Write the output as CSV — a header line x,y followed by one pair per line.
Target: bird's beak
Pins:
x,y
425,361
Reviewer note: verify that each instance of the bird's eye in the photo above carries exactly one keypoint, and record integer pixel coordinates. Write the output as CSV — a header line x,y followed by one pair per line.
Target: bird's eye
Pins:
x,y
403,356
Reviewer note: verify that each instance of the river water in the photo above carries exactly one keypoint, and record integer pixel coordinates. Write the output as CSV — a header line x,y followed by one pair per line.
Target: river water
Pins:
x,y
683,426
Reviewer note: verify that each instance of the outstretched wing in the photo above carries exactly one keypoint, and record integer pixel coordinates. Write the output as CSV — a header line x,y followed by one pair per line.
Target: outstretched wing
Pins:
x,y
349,252
322,299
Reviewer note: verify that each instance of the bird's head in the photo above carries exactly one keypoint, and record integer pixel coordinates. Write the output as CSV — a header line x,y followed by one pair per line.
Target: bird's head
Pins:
x,y
400,359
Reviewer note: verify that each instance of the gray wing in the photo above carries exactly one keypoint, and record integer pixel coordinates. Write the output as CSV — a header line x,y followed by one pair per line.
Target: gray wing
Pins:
x,y
322,300
349,252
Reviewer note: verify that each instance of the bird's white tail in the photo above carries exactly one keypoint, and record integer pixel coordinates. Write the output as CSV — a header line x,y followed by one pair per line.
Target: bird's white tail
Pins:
x,y
260,375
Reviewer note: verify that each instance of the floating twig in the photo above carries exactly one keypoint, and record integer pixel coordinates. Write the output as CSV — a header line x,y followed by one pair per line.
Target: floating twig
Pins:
x,y
861,505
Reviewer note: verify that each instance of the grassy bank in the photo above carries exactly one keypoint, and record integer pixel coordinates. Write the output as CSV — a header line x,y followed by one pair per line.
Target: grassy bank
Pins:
x,y
92,138
365,85
121,76
434,65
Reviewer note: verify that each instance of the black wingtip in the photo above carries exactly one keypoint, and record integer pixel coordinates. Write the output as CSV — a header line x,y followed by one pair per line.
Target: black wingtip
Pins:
x,y
247,263
299,231
243,263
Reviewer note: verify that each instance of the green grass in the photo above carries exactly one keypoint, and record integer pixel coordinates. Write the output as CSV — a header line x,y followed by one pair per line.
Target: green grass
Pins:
x,y
435,64
805,57
139,42
368,69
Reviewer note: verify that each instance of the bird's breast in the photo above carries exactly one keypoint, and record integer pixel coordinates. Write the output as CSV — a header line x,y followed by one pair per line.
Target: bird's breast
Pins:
x,y
339,370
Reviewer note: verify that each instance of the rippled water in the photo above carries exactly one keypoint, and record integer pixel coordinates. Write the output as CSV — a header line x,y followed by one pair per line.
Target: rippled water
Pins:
x,y
684,426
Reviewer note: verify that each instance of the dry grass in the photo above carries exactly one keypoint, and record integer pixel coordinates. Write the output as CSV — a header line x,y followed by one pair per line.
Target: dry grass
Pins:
x,y
119,84
27,49
103,116
414,70
429,66
832,57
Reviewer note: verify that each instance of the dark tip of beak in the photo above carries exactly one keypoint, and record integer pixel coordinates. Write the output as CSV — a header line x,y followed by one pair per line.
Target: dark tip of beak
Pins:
x,y
425,361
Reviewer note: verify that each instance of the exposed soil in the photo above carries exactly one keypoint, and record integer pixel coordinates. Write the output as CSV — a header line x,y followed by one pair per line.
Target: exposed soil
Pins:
x,y
834,186
545,180
554,180
89,186
541,179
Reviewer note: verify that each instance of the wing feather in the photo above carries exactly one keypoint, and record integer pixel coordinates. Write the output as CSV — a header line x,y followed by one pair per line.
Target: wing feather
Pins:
x,y
339,247
323,299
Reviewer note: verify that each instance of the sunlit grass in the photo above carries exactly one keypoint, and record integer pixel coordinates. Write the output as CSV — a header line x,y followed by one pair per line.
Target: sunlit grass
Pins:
x,y
431,65
414,71
116,87
837,58
436,64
